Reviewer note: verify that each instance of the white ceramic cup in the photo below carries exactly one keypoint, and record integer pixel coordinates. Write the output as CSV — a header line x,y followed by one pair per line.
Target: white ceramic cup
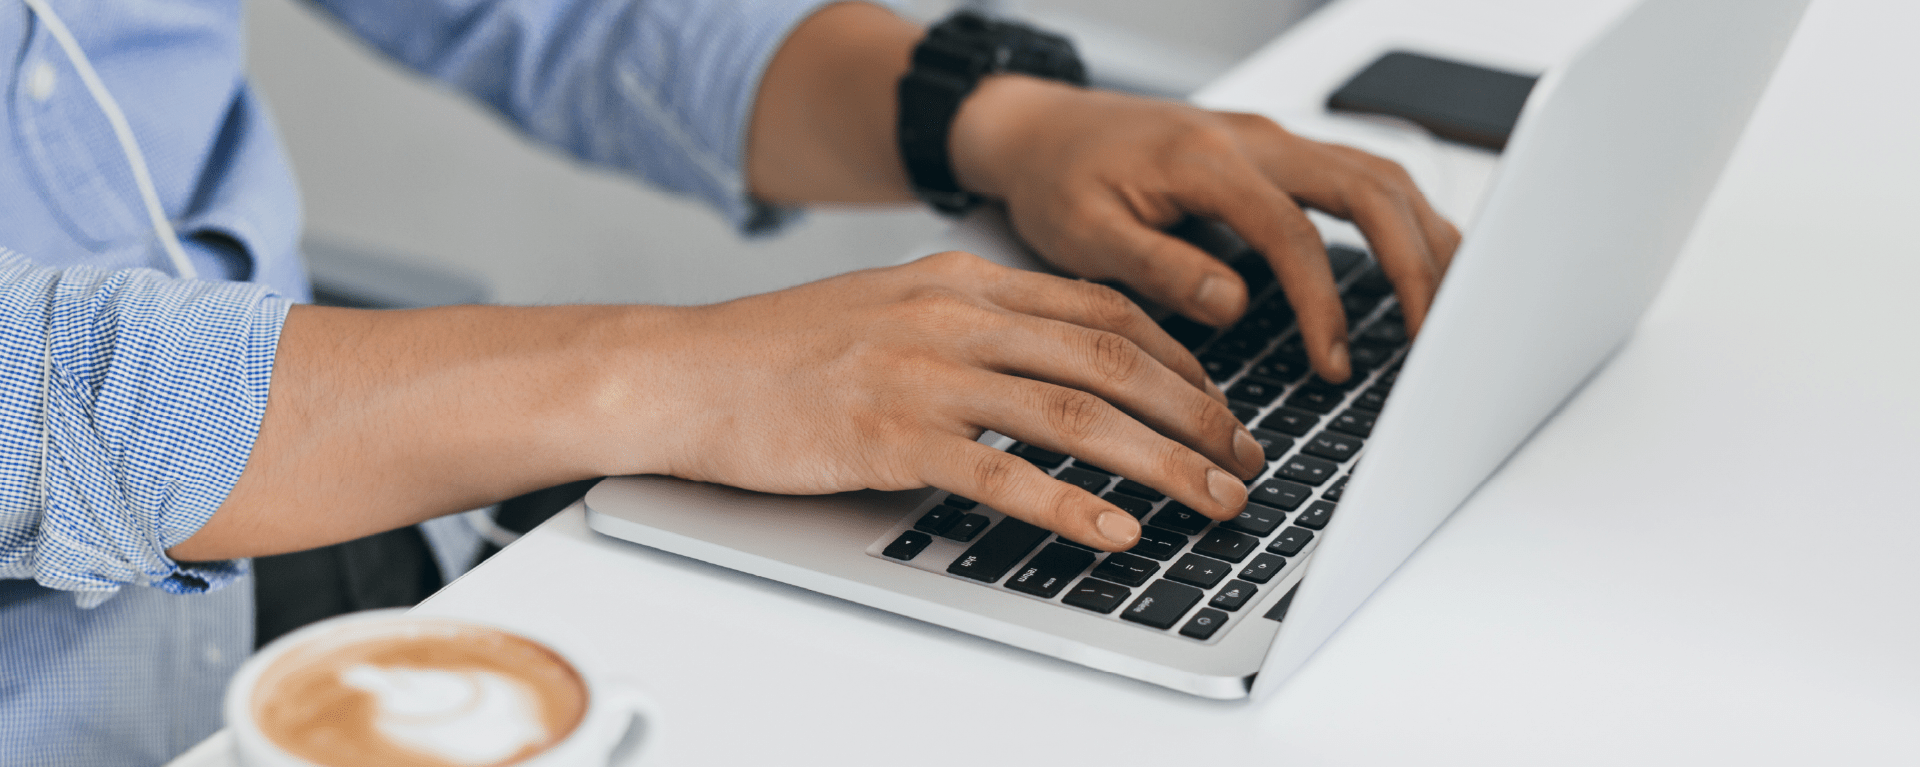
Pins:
x,y
618,725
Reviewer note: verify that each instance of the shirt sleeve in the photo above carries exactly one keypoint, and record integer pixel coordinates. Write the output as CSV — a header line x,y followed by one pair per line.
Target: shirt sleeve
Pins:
x,y
660,88
129,402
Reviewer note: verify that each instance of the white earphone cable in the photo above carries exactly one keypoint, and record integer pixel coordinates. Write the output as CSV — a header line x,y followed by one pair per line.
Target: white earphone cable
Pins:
x,y
169,241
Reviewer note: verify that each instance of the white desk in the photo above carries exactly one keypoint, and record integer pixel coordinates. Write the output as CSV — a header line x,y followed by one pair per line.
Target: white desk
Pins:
x,y
1663,573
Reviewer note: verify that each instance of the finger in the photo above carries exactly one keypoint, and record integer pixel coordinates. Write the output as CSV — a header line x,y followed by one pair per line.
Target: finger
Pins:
x,y
1021,490
1122,375
1083,425
1236,194
1095,306
1166,270
1379,197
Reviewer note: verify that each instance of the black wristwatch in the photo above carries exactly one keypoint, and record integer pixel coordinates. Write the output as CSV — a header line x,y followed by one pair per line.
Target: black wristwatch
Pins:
x,y
947,65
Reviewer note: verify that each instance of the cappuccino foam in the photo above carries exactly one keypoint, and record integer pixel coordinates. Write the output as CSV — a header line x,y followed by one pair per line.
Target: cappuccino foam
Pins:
x,y
431,694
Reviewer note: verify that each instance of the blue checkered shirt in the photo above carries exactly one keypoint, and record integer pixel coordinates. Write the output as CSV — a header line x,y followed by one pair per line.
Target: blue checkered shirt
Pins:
x,y
131,399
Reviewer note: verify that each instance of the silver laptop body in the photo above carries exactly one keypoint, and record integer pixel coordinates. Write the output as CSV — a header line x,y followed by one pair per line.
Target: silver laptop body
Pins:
x,y
1597,191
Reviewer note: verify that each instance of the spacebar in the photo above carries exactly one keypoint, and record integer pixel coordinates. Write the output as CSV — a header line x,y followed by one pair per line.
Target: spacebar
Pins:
x,y
998,551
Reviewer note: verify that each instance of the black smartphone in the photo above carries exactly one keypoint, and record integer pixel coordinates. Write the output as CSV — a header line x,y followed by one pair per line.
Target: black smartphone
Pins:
x,y
1461,102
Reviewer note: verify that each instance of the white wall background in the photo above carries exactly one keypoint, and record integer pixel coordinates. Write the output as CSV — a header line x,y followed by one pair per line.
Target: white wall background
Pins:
x,y
392,164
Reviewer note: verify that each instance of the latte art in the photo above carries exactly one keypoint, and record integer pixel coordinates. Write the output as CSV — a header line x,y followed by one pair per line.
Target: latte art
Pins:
x,y
467,717
441,695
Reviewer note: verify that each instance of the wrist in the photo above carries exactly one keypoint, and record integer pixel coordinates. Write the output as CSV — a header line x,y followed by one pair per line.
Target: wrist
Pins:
x,y
994,128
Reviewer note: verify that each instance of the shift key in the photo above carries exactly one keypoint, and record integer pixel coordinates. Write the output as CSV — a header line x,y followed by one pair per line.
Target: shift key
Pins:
x,y
989,558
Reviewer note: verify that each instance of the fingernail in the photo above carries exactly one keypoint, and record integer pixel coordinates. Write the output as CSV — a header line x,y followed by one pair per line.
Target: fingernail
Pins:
x,y
1119,529
1226,491
1216,299
1247,449
1338,357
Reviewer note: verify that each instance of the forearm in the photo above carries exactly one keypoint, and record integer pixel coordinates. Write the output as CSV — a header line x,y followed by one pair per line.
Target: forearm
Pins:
x,y
377,420
823,123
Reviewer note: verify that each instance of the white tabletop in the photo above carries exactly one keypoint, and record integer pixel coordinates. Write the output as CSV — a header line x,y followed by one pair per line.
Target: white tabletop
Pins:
x,y
1707,557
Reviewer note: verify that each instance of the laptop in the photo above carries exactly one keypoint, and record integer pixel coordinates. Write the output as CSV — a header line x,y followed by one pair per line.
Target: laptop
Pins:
x,y
1599,187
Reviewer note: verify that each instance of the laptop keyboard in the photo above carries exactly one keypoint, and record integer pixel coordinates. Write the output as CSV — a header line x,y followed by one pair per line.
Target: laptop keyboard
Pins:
x,y
1190,575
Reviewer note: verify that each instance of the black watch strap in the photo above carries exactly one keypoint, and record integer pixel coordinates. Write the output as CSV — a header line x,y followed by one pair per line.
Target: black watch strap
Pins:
x,y
955,55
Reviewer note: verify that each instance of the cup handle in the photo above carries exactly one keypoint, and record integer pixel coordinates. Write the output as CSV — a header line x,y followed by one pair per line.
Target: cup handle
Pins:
x,y
642,733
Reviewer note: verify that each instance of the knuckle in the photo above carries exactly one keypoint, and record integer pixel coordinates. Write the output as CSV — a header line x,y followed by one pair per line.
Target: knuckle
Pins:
x,y
940,308
1171,459
955,261
1211,137
1112,356
1108,307
1061,505
993,473
1074,414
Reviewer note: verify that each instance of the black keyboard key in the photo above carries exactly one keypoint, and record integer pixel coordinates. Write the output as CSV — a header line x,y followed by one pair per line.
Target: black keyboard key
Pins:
x,y
1126,568
1199,571
1242,344
1290,542
1219,367
958,502
1308,469
1293,349
1275,368
989,558
1050,571
1180,519
1359,423
1162,604
938,519
1371,282
1256,520
1278,612
1316,516
1292,422
1338,488
1343,258
1226,544
1189,333
1097,595
1267,324
1257,392
1263,568
1204,624
1158,543
1280,494
1138,490
1092,482
1138,507
1084,466
1372,399
1385,332
1244,412
1333,446
966,527
1316,397
908,545
1366,357
1233,596
1254,269
1039,456
1273,443
1358,307
1076,544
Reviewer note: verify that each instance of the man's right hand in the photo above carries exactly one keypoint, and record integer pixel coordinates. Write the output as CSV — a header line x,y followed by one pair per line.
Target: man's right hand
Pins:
x,y
885,378
877,379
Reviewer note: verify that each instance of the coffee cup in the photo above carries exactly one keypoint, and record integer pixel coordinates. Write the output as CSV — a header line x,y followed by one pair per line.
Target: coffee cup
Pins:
x,y
383,687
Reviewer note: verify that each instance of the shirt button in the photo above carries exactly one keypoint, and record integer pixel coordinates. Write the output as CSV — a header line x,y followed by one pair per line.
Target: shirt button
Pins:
x,y
41,81
213,655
